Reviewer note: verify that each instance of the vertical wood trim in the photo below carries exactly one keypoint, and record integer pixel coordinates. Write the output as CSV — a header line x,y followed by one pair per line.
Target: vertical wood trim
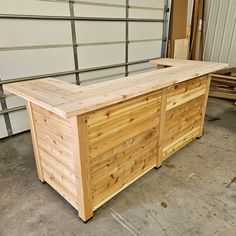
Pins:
x,y
205,105
82,167
34,141
161,128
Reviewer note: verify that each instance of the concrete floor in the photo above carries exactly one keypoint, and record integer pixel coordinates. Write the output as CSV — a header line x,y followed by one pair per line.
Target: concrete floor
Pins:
x,y
189,195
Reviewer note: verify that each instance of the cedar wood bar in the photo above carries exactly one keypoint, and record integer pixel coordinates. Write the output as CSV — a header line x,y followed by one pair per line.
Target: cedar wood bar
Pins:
x,y
91,142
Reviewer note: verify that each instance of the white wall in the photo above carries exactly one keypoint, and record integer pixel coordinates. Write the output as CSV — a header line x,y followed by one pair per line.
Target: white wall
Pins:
x,y
21,63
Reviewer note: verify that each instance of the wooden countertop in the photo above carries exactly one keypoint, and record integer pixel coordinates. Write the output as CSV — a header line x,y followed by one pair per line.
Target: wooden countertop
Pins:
x,y
68,100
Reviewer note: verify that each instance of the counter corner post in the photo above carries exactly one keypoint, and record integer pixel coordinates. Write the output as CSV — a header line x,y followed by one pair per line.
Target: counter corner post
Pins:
x,y
82,167
204,105
35,141
161,128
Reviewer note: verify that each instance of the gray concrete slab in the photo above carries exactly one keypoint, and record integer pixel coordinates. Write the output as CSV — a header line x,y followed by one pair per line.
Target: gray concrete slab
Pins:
x,y
188,195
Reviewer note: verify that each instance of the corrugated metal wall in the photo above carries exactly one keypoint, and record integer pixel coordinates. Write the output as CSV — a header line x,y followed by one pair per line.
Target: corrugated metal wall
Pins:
x,y
220,38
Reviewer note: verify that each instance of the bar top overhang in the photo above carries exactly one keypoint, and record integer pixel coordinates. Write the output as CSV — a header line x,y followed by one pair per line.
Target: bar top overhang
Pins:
x,y
68,100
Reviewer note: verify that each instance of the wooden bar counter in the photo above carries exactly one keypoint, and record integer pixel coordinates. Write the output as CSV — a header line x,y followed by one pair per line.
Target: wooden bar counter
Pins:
x,y
90,142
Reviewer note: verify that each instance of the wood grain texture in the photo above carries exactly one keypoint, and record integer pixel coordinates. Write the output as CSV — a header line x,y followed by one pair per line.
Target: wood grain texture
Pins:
x,y
185,111
67,100
54,144
122,144
161,128
82,167
91,142
35,142
204,106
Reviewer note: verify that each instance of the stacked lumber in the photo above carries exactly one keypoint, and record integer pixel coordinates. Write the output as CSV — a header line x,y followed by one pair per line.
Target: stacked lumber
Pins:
x,y
223,84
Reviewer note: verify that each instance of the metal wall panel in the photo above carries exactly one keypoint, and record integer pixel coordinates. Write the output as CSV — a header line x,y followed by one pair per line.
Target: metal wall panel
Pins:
x,y
220,38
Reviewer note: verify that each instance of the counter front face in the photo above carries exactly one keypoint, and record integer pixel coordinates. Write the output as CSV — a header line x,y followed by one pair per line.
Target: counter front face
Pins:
x,y
90,158
89,148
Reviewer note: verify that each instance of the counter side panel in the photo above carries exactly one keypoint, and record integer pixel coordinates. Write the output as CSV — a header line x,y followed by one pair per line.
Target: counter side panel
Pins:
x,y
54,139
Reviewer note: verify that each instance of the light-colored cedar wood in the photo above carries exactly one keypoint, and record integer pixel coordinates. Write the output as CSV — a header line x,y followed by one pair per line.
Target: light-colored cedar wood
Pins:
x,y
65,173
129,146
184,125
122,144
103,115
184,112
63,157
182,141
54,138
59,177
35,142
177,100
122,188
161,128
49,178
53,117
82,167
203,111
186,86
73,100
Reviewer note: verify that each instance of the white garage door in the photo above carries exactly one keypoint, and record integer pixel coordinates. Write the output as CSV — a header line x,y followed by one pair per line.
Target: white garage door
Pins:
x,y
80,42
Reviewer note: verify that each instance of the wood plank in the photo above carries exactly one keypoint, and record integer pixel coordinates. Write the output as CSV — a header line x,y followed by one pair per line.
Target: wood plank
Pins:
x,y
179,143
51,161
203,112
186,86
82,167
60,189
111,128
117,111
161,128
181,130
177,100
50,115
116,168
124,134
35,142
128,146
125,174
67,185
61,155
101,202
54,127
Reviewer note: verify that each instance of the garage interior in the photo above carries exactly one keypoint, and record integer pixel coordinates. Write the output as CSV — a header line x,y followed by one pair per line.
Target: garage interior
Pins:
x,y
90,42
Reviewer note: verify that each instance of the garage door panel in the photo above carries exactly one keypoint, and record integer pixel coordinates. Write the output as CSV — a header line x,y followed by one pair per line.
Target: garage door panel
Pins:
x,y
33,62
